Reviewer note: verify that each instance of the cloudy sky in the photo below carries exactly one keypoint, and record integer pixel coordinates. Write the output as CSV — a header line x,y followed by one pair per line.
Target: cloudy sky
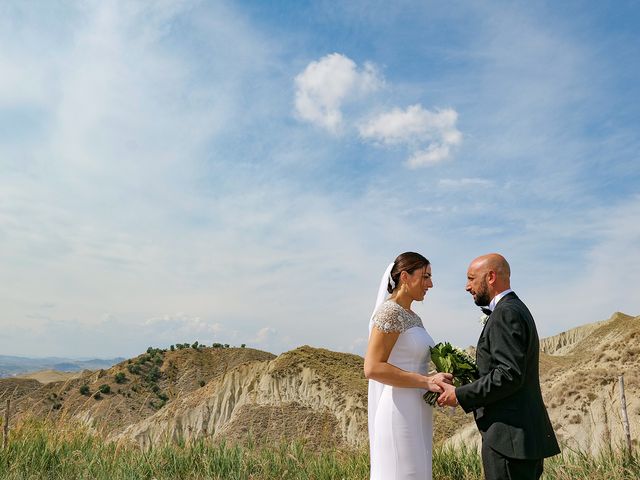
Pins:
x,y
243,172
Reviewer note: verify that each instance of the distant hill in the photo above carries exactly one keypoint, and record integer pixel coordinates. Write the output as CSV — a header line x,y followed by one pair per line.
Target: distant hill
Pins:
x,y
13,365
49,376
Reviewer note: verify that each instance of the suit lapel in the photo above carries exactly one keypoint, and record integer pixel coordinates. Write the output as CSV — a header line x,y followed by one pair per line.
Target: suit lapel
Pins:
x,y
500,304
484,328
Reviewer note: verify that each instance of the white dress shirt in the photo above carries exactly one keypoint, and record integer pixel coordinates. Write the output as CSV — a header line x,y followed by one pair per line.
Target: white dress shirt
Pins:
x,y
497,298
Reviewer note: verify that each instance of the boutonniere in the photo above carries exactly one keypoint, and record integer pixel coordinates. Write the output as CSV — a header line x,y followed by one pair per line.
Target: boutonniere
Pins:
x,y
485,315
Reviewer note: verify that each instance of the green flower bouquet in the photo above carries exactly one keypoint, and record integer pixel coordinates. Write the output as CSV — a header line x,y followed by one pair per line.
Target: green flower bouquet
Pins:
x,y
449,359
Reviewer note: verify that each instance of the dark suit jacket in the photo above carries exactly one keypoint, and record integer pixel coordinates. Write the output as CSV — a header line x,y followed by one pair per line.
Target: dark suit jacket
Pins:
x,y
506,400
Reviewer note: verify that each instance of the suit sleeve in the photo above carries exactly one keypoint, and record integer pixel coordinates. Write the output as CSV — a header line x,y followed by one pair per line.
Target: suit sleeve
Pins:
x,y
508,339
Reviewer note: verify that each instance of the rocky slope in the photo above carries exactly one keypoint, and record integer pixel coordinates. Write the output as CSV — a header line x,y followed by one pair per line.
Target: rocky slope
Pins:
x,y
580,384
308,393
564,342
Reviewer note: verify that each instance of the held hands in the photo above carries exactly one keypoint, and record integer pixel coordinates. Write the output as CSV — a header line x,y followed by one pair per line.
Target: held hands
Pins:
x,y
448,396
437,381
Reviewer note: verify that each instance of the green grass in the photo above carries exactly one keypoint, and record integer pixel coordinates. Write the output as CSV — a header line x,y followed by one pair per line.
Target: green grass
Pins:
x,y
44,450
608,465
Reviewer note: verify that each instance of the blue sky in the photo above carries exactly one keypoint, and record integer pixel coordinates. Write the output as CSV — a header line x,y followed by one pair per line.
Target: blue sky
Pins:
x,y
243,172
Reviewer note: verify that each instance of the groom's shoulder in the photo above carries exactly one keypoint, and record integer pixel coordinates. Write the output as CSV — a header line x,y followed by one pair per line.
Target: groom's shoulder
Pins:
x,y
512,304
510,300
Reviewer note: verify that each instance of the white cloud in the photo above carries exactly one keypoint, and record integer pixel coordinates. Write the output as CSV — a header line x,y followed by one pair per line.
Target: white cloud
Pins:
x,y
430,135
414,123
357,346
606,280
263,337
455,183
182,324
433,154
324,85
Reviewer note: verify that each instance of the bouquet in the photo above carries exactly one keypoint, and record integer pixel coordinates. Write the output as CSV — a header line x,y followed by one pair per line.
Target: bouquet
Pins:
x,y
449,359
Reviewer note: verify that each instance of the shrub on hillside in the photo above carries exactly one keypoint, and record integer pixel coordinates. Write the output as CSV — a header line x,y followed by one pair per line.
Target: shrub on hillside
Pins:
x,y
104,388
163,396
120,377
84,389
140,361
153,375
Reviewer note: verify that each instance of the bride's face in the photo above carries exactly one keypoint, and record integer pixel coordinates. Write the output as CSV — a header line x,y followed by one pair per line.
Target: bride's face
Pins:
x,y
419,282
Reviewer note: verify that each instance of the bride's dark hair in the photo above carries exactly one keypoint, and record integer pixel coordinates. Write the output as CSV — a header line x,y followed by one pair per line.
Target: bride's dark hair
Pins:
x,y
406,262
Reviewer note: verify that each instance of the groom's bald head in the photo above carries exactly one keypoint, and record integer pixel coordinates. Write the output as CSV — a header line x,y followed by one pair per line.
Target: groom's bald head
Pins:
x,y
495,269
494,262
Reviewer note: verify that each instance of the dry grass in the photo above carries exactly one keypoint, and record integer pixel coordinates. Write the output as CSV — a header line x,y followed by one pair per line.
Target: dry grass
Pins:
x,y
277,424
47,450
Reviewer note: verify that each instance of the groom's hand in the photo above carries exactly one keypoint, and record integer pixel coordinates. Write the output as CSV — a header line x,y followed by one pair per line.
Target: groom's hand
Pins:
x,y
435,381
448,396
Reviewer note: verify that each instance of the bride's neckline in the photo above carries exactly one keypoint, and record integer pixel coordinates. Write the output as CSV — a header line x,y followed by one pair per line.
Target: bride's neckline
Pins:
x,y
405,309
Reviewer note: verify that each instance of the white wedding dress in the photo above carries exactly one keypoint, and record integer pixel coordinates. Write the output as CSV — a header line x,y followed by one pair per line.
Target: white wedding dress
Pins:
x,y
400,422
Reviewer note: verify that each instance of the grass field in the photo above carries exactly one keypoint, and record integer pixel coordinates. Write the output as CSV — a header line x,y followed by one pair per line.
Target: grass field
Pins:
x,y
43,450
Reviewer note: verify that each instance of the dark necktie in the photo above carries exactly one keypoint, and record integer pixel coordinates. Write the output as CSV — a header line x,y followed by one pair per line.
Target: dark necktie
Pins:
x,y
486,311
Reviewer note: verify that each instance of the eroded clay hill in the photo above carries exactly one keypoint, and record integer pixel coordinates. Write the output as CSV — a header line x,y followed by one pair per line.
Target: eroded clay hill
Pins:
x,y
320,396
307,393
310,394
113,399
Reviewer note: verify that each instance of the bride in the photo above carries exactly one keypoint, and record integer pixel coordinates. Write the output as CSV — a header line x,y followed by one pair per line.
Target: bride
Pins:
x,y
396,364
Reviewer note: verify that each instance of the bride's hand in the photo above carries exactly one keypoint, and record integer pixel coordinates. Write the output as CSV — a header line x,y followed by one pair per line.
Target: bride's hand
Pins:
x,y
436,379
443,378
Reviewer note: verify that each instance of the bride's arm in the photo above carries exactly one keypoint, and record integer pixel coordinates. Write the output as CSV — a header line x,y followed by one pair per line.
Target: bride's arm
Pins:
x,y
377,368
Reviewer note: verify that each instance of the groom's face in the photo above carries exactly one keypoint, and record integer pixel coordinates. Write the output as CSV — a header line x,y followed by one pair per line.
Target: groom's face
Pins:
x,y
478,287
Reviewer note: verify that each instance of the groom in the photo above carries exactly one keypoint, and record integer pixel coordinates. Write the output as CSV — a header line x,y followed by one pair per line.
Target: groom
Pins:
x,y
506,400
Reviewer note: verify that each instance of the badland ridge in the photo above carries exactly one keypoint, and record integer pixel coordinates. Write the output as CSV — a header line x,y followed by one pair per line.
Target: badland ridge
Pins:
x,y
317,395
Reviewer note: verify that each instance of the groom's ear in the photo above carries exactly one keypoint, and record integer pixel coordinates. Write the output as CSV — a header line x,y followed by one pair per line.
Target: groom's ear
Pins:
x,y
491,277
